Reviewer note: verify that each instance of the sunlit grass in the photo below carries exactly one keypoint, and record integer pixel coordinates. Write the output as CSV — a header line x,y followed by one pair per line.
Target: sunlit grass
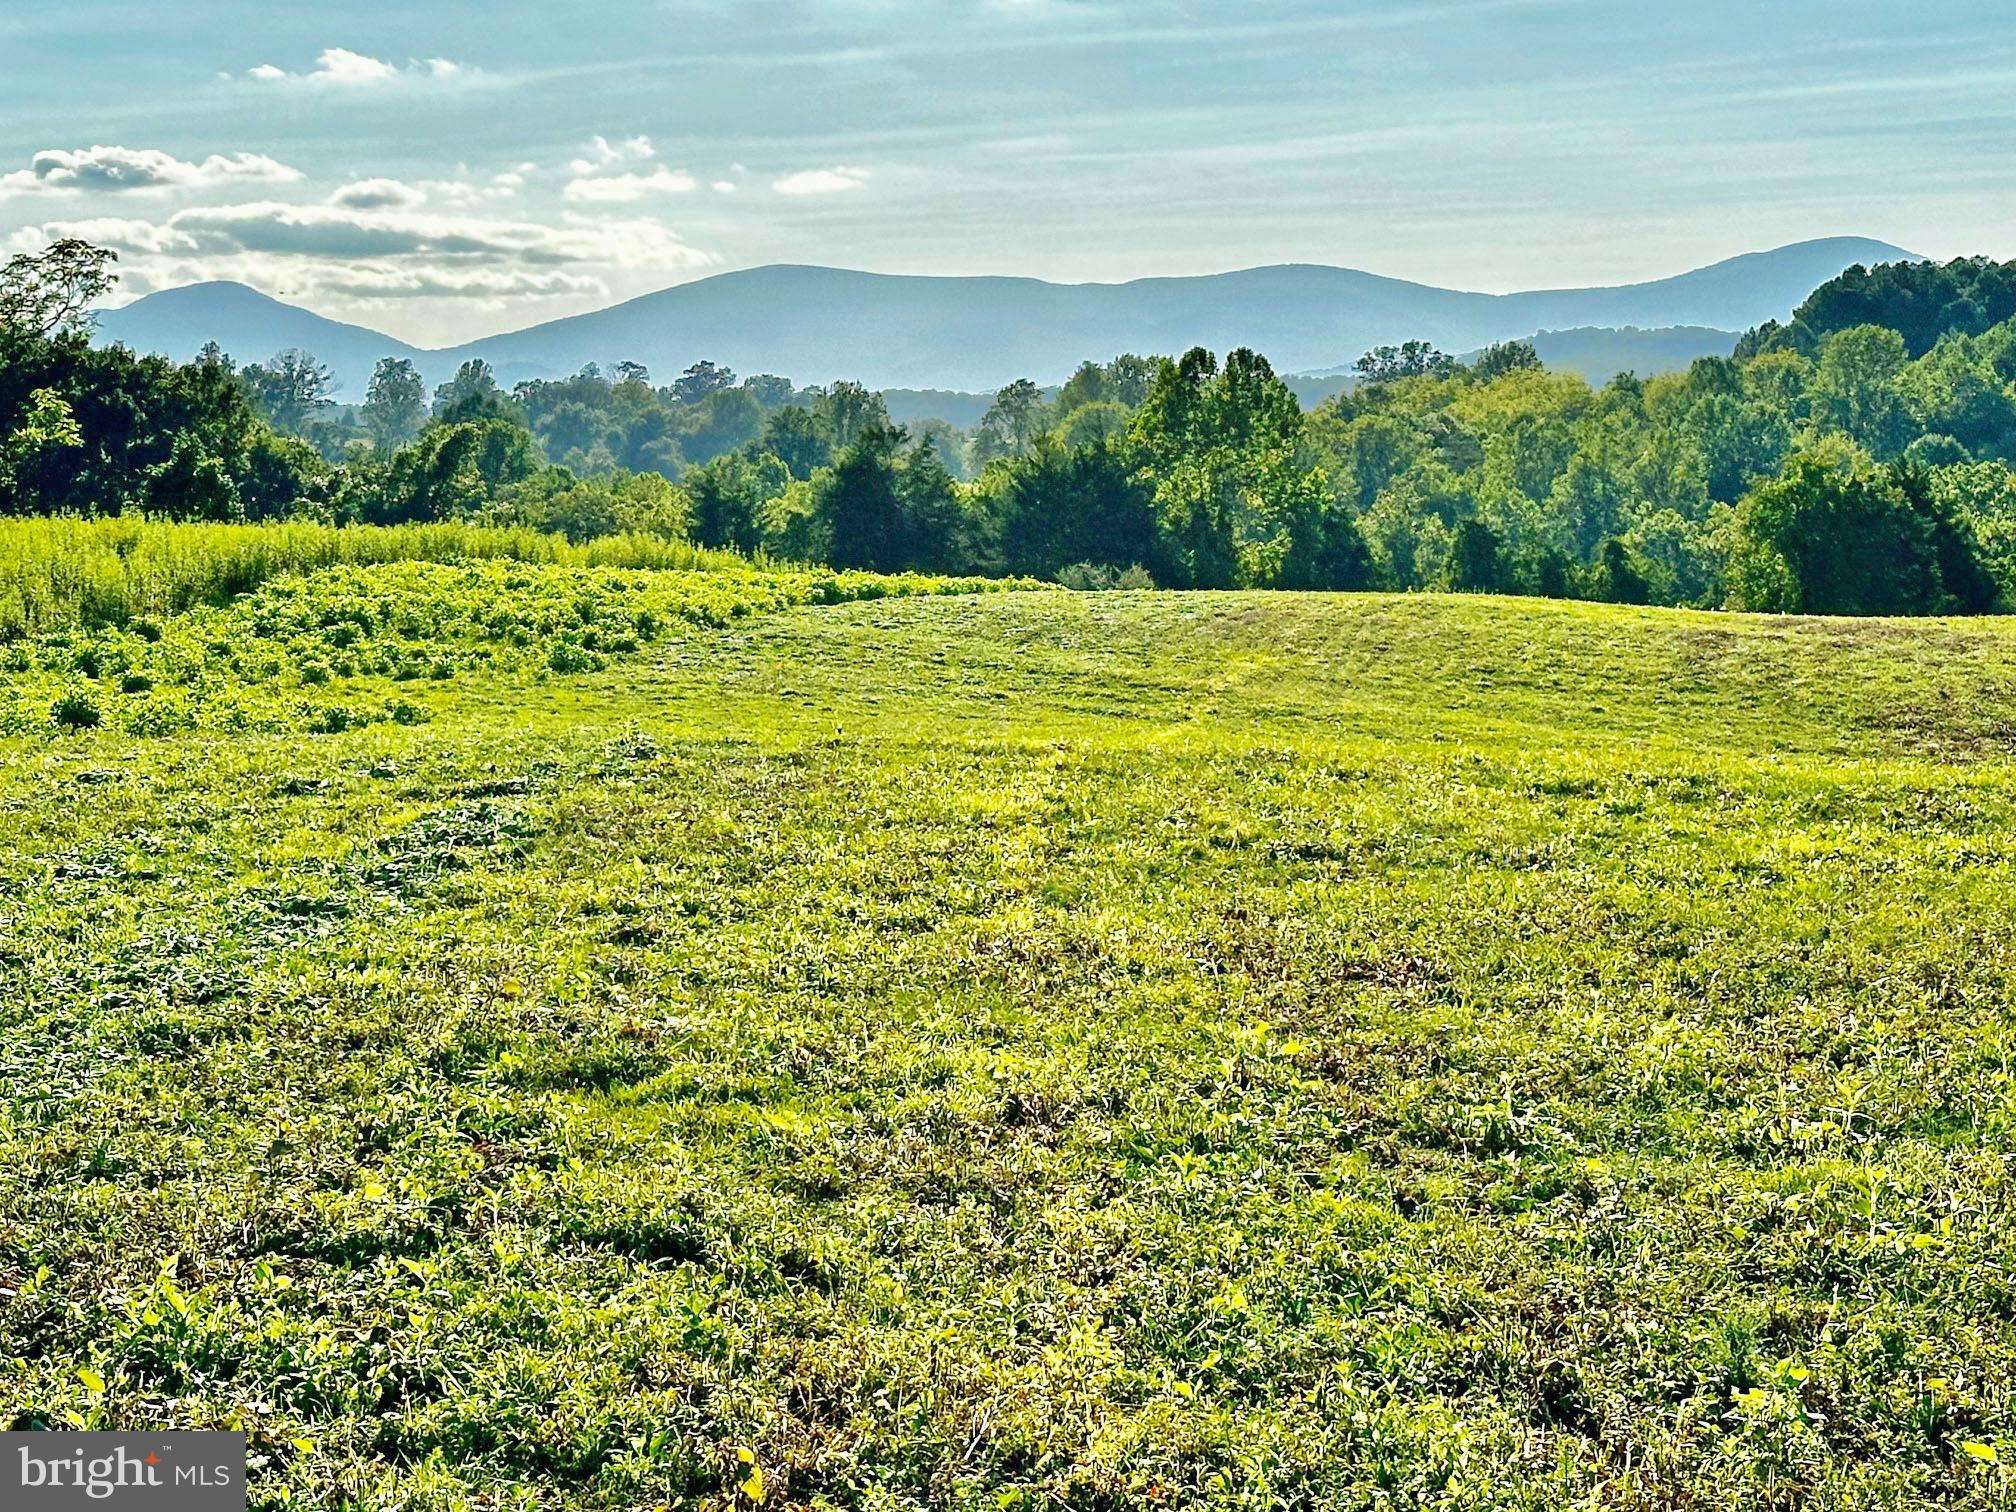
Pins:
x,y
1026,1050
56,573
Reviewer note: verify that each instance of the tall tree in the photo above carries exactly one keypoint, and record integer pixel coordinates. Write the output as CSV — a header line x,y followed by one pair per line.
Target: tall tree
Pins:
x,y
1855,388
1017,418
931,533
700,380
846,412
471,395
1503,357
728,496
1061,505
49,292
1411,359
858,503
395,404
291,389
794,435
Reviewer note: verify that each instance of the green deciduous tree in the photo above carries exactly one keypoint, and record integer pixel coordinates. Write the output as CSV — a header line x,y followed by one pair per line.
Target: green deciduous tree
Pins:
x,y
291,389
1474,564
1855,389
795,437
728,497
1063,504
50,292
1503,357
1011,426
472,395
701,380
847,411
1411,359
47,422
1834,533
395,404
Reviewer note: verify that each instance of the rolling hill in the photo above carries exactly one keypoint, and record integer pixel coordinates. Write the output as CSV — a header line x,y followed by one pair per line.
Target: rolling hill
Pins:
x,y
251,326
1597,353
913,1035
889,331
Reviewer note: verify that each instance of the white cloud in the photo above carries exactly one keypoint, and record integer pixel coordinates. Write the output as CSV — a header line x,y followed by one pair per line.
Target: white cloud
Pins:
x,y
342,68
128,170
146,237
378,194
821,181
725,186
325,243
626,188
457,266
600,176
600,153
329,231
379,281
464,192
638,242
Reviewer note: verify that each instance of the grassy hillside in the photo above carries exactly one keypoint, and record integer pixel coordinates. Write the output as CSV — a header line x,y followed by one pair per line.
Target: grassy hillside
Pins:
x,y
1020,1050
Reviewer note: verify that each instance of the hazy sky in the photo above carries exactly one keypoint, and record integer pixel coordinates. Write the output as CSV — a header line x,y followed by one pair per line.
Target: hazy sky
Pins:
x,y
446,170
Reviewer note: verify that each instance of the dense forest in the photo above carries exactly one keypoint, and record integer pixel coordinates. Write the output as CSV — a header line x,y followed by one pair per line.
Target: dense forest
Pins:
x,y
1853,459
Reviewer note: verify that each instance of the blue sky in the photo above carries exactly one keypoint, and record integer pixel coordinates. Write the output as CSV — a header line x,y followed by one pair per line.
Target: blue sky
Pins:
x,y
446,170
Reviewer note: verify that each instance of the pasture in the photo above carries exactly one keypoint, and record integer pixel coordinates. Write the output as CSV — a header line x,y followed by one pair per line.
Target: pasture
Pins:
x,y
564,1035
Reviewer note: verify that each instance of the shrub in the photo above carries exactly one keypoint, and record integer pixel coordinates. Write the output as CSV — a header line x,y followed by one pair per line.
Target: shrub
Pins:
x,y
75,711
334,719
1086,577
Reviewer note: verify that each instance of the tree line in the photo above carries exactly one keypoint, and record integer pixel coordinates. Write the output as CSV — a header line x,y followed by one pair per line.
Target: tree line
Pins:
x,y
1854,459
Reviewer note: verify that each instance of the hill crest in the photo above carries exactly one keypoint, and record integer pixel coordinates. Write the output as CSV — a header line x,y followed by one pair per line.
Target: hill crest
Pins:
x,y
817,324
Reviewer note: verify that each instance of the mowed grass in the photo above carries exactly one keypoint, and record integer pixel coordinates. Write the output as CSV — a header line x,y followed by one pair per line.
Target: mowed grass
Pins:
x,y
1042,1050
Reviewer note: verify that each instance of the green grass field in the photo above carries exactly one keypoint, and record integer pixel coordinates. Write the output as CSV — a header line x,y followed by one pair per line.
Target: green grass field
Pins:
x,y
1013,1050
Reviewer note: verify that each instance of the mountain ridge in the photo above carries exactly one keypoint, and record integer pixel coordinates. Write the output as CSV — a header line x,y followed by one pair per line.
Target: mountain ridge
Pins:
x,y
818,324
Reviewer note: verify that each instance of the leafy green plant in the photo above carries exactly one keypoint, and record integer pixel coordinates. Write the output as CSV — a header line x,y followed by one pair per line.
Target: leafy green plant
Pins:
x,y
75,710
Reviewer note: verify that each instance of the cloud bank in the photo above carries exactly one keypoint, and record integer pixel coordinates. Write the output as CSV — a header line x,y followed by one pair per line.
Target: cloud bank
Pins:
x,y
138,170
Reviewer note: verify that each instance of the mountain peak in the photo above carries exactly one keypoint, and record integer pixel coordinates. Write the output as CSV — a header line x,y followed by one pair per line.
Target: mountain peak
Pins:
x,y
251,326
818,324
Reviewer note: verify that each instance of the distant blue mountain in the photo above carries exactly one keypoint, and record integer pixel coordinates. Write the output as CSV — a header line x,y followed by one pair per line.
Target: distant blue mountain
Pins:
x,y
816,325
1600,353
251,327
1597,353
